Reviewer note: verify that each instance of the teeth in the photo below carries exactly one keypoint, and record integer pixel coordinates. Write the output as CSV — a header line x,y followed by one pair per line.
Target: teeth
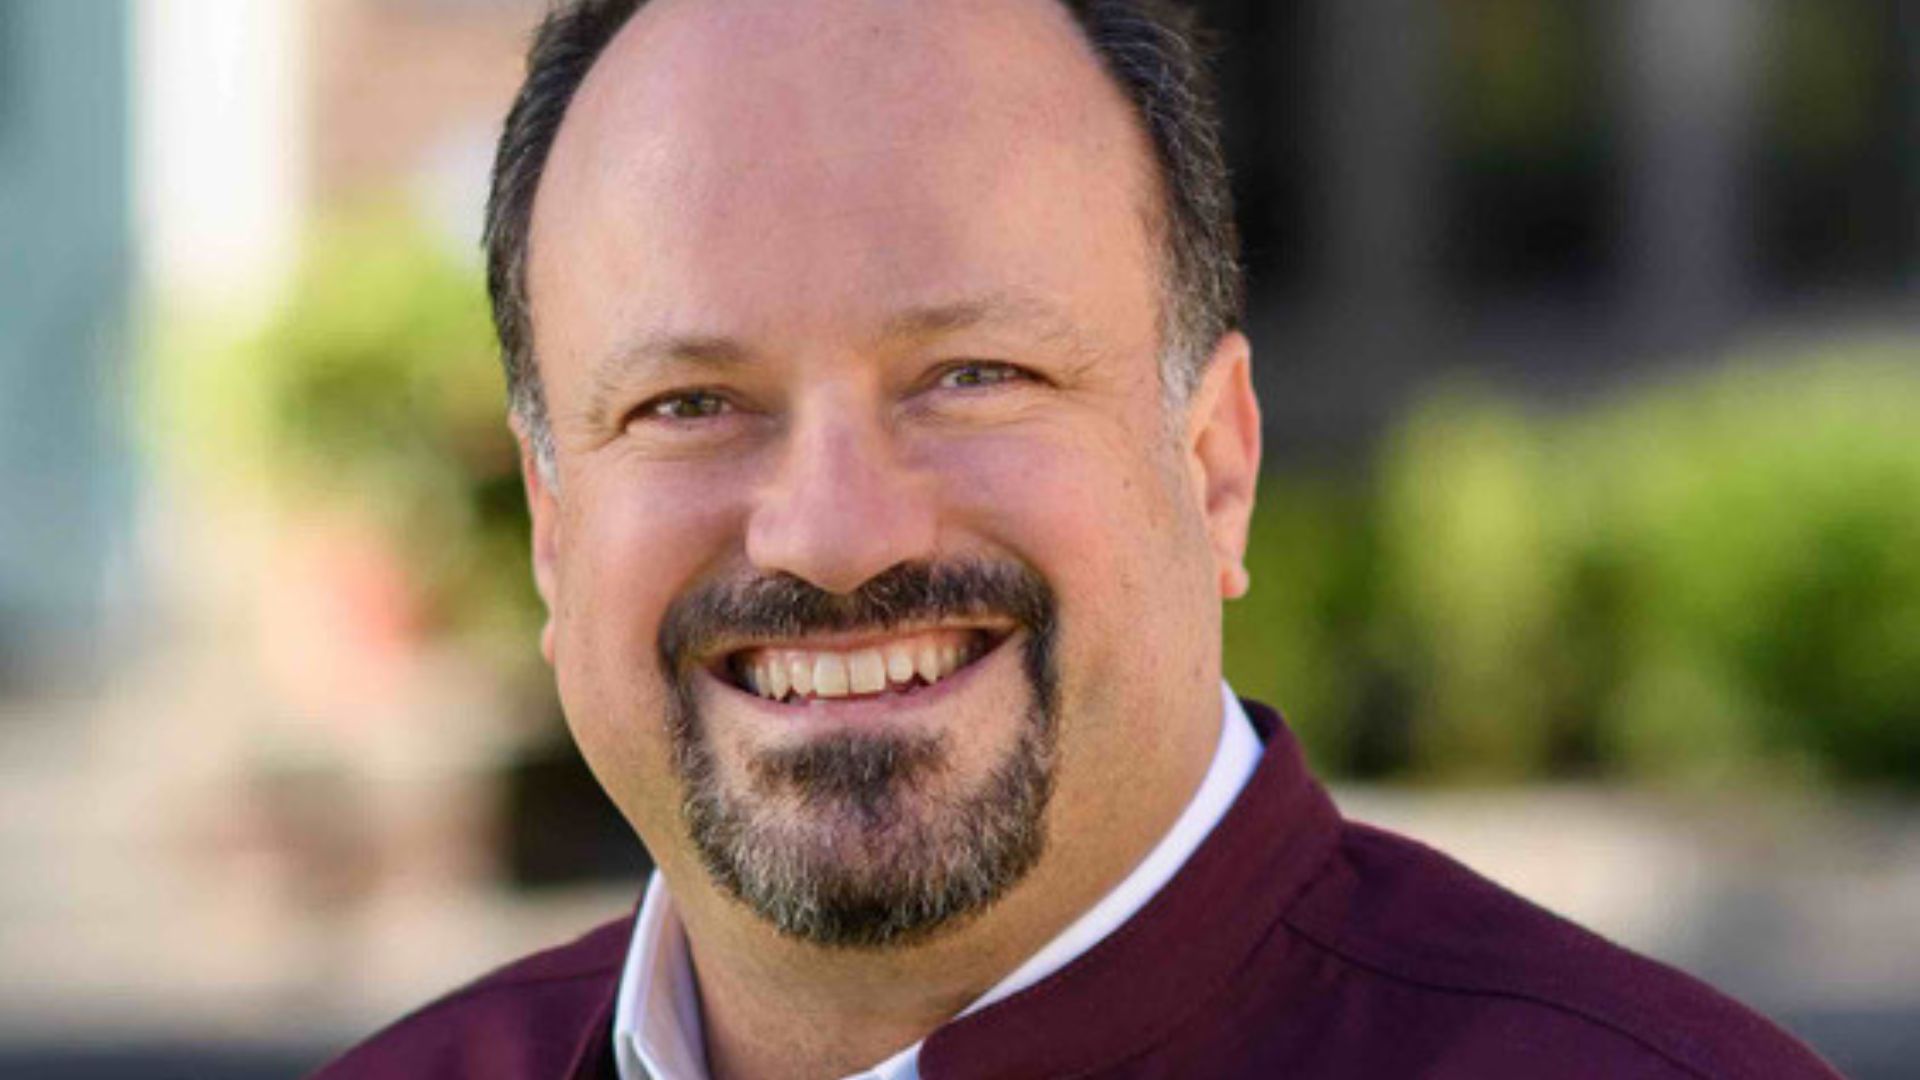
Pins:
x,y
899,664
931,657
926,661
867,672
830,675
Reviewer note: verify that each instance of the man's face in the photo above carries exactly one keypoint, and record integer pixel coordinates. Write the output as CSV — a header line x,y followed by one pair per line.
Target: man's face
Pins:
x,y
873,552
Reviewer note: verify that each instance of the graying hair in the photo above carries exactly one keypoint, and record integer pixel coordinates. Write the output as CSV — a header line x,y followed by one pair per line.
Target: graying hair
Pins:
x,y
850,841
1151,48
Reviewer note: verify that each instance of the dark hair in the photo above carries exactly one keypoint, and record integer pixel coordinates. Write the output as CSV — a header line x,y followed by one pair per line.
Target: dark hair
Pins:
x,y
1151,49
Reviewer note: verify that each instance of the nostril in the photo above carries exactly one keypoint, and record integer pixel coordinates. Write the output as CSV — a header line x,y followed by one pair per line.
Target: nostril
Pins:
x,y
836,518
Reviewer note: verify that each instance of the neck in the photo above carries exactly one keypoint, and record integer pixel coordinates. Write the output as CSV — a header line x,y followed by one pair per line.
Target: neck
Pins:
x,y
775,1008
831,1023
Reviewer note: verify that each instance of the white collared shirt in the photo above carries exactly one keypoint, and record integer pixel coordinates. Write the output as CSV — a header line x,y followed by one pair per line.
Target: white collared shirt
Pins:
x,y
656,1029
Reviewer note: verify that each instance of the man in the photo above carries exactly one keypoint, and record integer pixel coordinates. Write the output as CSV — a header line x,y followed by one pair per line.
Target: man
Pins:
x,y
890,447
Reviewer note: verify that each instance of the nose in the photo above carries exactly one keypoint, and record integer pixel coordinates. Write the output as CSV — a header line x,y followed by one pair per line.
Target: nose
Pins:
x,y
843,507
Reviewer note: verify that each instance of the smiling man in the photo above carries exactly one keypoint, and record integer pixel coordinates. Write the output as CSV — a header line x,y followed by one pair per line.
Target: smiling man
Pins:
x,y
890,447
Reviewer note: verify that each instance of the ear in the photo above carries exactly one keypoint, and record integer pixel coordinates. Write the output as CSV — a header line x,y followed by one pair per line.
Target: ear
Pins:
x,y
543,506
1223,453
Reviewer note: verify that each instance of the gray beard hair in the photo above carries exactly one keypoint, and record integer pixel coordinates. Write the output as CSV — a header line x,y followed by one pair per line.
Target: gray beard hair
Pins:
x,y
839,843
850,841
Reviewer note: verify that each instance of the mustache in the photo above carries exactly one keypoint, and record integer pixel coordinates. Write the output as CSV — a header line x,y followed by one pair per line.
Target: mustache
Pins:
x,y
781,606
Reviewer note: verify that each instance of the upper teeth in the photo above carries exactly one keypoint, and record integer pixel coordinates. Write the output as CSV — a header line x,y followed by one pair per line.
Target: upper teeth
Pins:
x,y
826,673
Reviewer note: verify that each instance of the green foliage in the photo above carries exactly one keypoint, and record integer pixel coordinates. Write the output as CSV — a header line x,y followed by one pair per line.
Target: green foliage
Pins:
x,y
376,391
1706,579
1300,638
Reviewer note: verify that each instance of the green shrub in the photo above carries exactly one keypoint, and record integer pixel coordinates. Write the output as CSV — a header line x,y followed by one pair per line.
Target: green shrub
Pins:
x,y
1769,551
1713,577
375,389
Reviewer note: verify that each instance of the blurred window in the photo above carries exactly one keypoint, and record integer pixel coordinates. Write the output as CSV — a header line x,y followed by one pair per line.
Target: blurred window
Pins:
x,y
1527,145
1267,97
1836,169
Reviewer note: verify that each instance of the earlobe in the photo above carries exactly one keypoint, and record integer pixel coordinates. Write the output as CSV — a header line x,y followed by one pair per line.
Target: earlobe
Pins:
x,y
1224,449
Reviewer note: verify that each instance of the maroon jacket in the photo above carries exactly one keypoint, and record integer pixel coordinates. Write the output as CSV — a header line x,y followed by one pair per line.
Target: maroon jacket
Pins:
x,y
1292,944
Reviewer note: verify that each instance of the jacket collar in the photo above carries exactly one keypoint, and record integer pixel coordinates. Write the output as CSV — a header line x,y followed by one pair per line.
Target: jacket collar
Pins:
x,y
1140,982
1143,981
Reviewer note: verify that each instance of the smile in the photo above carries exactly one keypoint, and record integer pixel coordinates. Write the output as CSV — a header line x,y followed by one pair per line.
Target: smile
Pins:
x,y
903,663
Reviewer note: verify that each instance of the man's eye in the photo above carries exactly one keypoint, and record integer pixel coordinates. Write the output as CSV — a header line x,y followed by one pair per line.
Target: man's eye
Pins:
x,y
980,373
688,405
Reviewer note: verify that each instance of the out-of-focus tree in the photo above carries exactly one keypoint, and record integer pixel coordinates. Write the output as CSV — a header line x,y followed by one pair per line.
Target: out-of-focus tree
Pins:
x,y
1706,578
374,393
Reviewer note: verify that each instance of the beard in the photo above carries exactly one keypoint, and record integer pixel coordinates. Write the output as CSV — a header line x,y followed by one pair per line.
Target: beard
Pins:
x,y
853,840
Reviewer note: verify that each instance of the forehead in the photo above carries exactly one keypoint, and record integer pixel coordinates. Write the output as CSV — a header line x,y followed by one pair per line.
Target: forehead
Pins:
x,y
790,162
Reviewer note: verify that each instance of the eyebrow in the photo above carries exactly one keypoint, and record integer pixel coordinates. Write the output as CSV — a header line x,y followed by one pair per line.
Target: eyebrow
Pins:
x,y
718,353
661,351
1009,309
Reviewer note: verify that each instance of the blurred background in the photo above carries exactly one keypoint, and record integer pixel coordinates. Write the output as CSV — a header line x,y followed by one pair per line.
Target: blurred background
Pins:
x,y
1589,549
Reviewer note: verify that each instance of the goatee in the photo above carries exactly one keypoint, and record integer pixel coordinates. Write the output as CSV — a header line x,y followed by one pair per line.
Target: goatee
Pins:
x,y
850,840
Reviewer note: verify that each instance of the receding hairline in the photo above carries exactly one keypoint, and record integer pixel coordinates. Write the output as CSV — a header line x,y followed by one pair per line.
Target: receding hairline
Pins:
x,y
1145,184
1154,52
1143,189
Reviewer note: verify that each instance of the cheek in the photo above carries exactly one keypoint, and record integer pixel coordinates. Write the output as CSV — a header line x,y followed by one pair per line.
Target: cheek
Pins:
x,y
1099,518
631,545
1111,525
634,540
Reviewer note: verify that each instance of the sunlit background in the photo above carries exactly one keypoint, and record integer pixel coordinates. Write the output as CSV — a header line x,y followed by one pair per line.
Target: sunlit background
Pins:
x,y
1589,341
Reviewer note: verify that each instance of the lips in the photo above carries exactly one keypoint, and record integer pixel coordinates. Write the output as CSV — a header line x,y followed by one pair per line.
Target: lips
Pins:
x,y
899,663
